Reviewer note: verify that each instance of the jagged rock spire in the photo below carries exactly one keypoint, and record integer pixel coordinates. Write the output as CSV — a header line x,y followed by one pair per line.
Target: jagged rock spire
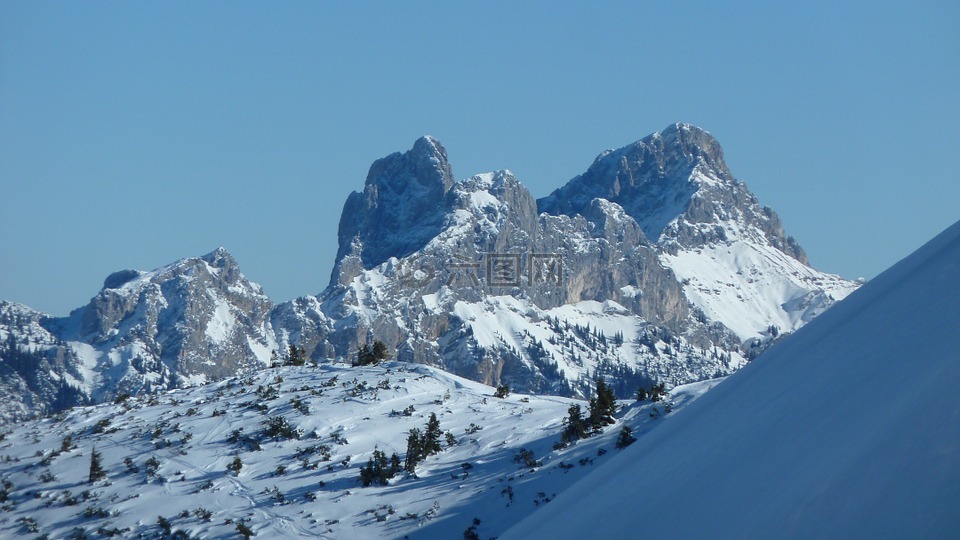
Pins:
x,y
399,210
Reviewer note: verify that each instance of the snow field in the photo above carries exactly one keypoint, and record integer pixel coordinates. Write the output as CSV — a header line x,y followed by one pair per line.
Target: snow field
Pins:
x,y
349,412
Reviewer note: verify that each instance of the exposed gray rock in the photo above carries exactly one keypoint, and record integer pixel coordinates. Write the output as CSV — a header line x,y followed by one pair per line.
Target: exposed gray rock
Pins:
x,y
677,186
399,210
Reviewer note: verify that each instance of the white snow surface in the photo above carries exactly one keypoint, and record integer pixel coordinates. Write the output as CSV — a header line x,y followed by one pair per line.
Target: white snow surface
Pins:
x,y
849,428
749,285
514,322
344,413
220,326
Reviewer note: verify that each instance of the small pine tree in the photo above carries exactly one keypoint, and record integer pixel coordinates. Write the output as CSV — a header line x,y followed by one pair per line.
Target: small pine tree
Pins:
x,y
244,530
363,353
367,355
380,351
626,438
96,466
641,393
297,356
602,406
502,391
394,464
414,450
657,392
431,437
576,426
471,532
378,470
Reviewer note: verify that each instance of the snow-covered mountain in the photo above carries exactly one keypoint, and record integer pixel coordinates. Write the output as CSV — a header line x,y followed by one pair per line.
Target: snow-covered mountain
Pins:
x,y
189,322
846,429
302,435
654,265
731,254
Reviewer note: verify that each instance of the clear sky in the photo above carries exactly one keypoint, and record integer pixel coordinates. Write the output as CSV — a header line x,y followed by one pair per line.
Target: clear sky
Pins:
x,y
133,134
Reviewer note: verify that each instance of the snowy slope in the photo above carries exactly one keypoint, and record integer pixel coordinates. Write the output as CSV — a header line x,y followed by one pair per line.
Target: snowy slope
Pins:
x,y
750,286
850,428
342,414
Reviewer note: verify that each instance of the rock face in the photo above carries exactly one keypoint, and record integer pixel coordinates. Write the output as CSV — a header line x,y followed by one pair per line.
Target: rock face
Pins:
x,y
657,243
677,186
399,210
655,265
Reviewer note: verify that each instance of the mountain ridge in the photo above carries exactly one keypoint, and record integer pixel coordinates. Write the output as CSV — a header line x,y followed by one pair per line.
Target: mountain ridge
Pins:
x,y
654,265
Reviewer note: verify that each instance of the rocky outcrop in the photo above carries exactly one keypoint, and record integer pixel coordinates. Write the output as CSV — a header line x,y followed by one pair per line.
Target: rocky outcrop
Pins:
x,y
676,184
399,210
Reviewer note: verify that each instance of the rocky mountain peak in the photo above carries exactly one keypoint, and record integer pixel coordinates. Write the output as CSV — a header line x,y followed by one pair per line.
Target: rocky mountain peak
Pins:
x,y
655,258
676,185
686,145
220,258
399,210
425,166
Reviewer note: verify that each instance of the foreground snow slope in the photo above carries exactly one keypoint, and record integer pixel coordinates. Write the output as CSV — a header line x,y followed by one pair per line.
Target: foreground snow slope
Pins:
x,y
850,428
167,456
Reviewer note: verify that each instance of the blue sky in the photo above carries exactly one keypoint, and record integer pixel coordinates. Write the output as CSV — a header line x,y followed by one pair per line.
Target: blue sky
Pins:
x,y
135,134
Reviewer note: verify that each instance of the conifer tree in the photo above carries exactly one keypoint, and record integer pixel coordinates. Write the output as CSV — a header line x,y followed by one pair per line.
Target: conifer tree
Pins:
x,y
431,438
235,465
602,406
367,355
96,466
576,426
297,356
378,470
363,355
379,351
413,450
626,438
394,463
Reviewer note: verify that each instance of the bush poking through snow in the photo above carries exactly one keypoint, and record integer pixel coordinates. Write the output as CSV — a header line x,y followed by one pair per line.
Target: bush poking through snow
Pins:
x,y
245,531
626,438
526,458
278,427
235,466
379,470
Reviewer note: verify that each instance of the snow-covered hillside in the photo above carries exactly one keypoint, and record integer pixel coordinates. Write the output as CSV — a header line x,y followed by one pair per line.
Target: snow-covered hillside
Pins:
x,y
751,287
849,428
302,435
